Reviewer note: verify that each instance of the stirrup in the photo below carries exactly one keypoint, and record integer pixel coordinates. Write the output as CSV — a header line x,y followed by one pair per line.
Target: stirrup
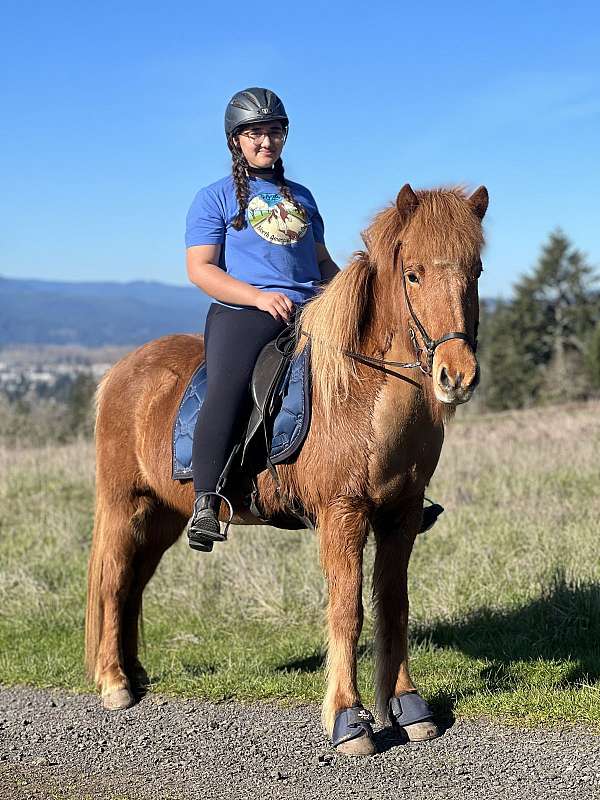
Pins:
x,y
204,539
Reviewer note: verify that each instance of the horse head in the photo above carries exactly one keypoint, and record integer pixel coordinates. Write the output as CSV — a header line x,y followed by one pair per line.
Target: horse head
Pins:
x,y
427,248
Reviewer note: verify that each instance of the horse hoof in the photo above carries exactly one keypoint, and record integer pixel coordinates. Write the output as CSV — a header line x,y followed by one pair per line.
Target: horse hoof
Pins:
x,y
421,731
117,700
361,746
411,716
352,733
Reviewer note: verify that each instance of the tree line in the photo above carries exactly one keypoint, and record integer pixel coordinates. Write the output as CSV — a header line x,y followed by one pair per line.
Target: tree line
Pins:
x,y
543,344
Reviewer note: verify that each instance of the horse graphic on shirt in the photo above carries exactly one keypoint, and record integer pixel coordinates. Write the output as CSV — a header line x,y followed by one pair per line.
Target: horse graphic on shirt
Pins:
x,y
277,219
280,215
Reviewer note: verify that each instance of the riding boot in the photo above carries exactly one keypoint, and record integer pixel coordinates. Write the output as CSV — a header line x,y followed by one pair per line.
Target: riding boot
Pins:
x,y
204,528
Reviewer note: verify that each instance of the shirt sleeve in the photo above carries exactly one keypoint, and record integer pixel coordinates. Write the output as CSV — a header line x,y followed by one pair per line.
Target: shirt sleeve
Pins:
x,y
205,223
316,220
318,227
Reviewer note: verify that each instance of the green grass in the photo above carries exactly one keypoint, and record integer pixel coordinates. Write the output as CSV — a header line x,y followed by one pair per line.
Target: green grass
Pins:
x,y
505,591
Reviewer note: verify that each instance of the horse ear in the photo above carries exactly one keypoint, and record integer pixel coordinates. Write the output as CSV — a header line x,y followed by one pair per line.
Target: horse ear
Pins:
x,y
407,201
479,201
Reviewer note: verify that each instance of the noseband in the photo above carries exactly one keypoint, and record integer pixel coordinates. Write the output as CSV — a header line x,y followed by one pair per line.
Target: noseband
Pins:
x,y
429,345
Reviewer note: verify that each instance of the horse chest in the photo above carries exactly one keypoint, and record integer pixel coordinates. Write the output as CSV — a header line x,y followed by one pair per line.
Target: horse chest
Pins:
x,y
406,444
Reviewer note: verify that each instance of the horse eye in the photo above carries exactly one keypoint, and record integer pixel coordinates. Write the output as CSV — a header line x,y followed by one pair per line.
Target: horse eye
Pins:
x,y
412,277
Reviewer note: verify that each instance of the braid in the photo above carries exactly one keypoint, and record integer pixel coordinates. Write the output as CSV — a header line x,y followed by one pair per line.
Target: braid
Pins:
x,y
240,179
239,170
284,188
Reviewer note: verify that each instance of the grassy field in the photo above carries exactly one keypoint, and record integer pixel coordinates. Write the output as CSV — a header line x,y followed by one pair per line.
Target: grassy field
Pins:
x,y
505,590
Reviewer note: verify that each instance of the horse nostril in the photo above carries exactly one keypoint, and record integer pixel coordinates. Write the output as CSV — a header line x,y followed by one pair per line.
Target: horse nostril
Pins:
x,y
445,379
475,381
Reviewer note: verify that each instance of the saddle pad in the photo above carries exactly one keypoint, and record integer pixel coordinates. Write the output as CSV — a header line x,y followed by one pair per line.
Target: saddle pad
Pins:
x,y
290,425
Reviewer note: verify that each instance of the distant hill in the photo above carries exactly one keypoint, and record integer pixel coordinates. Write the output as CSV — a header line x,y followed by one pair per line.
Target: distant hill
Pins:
x,y
96,314
36,312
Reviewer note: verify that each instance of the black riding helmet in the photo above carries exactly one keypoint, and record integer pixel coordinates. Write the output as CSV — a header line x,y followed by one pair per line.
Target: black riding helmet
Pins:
x,y
254,105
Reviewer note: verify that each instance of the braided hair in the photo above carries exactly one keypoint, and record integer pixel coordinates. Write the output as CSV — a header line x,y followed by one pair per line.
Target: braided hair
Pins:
x,y
239,170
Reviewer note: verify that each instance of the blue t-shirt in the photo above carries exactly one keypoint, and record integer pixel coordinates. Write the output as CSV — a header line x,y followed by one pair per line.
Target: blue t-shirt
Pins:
x,y
276,249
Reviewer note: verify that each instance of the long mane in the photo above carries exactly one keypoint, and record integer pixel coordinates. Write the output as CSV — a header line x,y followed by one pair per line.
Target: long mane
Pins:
x,y
335,320
443,222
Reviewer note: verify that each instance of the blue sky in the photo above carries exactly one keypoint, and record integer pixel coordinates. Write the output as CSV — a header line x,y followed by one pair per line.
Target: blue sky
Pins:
x,y
112,118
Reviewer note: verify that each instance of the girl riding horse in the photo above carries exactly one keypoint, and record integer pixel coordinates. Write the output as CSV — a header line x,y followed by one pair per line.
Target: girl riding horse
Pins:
x,y
257,272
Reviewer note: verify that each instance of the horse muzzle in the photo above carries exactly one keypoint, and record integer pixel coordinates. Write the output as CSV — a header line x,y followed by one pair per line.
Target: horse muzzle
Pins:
x,y
454,385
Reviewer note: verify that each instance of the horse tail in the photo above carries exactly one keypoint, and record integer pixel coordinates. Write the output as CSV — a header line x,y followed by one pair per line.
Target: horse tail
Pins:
x,y
93,614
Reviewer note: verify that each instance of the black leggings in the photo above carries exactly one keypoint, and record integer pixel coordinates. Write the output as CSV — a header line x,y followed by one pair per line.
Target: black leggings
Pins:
x,y
233,338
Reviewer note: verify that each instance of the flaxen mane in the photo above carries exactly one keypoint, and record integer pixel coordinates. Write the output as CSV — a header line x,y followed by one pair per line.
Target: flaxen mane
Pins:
x,y
333,320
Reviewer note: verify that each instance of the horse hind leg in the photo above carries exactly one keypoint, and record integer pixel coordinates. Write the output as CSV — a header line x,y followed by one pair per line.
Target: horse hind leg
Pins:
x,y
163,527
394,542
118,529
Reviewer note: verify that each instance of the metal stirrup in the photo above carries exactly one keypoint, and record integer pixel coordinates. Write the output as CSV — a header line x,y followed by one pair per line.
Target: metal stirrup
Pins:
x,y
222,496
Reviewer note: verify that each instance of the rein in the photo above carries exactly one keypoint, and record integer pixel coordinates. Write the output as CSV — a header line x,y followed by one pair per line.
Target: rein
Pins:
x,y
429,345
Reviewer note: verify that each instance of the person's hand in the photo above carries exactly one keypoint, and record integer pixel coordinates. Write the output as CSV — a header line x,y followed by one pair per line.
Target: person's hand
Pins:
x,y
277,304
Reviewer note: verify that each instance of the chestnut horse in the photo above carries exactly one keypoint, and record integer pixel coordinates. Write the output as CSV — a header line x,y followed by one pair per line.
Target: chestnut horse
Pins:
x,y
374,442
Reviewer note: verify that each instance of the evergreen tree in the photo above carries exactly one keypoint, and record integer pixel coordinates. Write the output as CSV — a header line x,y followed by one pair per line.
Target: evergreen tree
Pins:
x,y
593,357
538,343
506,381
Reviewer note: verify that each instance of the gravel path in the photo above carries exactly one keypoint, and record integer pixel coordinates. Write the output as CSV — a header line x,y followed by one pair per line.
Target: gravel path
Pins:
x,y
64,746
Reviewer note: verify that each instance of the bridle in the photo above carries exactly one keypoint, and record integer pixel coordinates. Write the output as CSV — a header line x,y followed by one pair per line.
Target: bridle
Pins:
x,y
429,345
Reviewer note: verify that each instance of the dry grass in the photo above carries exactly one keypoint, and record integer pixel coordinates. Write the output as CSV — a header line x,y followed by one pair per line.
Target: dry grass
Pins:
x,y
504,602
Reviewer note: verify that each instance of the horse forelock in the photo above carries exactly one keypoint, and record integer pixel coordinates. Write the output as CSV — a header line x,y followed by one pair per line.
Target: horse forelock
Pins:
x,y
442,228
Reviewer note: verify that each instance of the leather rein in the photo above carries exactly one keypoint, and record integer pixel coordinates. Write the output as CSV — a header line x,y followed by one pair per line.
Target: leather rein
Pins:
x,y
429,345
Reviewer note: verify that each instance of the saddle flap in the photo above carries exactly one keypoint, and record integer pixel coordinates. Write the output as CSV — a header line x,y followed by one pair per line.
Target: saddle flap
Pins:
x,y
266,373
266,377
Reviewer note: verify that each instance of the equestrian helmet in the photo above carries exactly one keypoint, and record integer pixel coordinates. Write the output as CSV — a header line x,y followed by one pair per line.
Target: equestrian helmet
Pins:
x,y
253,105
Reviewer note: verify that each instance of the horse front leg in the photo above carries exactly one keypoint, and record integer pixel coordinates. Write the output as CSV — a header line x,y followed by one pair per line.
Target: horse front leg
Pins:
x,y
397,699
343,529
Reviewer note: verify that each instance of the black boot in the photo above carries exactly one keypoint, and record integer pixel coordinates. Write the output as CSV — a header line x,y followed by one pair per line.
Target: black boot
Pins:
x,y
204,528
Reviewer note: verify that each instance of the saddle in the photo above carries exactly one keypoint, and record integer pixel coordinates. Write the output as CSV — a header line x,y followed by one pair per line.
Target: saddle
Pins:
x,y
279,419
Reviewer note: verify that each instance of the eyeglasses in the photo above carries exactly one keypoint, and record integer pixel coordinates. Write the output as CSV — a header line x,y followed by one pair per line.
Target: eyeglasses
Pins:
x,y
259,136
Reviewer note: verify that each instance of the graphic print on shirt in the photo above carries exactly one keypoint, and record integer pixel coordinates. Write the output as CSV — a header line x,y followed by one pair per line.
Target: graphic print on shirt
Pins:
x,y
276,219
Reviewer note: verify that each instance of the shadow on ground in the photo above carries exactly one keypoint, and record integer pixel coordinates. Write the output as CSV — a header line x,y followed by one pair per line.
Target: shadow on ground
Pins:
x,y
561,626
